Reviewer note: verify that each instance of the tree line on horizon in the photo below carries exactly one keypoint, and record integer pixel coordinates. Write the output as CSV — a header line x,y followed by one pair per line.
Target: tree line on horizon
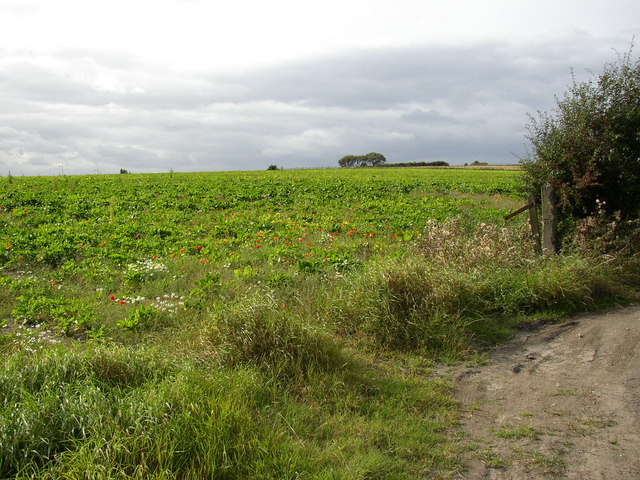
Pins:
x,y
375,159
371,159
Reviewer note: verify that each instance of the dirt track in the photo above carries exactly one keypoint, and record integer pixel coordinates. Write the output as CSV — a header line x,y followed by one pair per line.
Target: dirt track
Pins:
x,y
562,401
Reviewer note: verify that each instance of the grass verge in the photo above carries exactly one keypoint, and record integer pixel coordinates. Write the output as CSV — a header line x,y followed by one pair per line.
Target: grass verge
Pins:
x,y
305,375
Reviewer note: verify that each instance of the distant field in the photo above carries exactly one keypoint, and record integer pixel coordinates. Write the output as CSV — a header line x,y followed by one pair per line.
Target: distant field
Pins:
x,y
492,167
125,218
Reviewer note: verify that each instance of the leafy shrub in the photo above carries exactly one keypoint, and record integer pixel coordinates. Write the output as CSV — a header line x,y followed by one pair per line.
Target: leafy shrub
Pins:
x,y
589,146
134,278
279,280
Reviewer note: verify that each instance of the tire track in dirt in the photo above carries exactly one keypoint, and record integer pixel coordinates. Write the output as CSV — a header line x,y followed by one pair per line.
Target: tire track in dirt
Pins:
x,y
559,402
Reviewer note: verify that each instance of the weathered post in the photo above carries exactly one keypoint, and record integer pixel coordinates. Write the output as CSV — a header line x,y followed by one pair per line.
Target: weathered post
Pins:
x,y
533,222
549,221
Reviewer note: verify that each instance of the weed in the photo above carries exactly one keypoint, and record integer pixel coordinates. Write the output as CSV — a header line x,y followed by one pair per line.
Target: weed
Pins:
x,y
566,392
547,463
491,459
588,425
517,431
140,317
69,316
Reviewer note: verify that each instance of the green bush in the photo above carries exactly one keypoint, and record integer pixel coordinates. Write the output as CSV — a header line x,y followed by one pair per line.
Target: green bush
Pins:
x,y
589,146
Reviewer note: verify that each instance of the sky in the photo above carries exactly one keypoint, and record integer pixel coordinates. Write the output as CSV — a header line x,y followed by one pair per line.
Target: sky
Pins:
x,y
90,87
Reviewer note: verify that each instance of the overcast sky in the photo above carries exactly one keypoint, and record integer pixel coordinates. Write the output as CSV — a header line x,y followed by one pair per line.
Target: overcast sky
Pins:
x,y
201,85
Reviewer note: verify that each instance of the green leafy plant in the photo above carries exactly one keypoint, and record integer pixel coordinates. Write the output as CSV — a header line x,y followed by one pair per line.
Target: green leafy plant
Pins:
x,y
67,315
588,147
138,317
134,278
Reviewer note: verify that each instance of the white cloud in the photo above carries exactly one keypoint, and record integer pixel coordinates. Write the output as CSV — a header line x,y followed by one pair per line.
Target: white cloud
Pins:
x,y
199,85
311,142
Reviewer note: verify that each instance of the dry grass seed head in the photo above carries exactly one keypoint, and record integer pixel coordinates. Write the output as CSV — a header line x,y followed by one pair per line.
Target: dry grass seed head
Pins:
x,y
456,245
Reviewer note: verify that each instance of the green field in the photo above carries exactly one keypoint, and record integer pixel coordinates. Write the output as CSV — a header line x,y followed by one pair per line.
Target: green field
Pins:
x,y
279,324
125,218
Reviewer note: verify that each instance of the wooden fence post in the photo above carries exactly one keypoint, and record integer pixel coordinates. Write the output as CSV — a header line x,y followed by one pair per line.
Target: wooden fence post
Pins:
x,y
549,221
533,223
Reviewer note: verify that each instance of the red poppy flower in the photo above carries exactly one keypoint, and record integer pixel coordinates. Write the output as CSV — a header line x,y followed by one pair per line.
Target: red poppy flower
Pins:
x,y
112,298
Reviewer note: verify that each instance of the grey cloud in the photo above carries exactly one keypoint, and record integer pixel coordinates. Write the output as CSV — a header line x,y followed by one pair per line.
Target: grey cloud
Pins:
x,y
380,78
429,116
108,110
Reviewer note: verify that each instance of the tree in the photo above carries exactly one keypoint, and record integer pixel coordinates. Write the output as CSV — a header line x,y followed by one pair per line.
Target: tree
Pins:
x,y
588,148
348,161
372,159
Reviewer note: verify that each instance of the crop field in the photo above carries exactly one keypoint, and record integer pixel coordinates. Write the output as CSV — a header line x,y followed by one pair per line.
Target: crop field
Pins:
x,y
55,221
141,240
277,324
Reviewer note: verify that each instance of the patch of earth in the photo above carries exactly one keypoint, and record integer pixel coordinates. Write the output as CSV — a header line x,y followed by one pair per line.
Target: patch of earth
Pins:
x,y
559,402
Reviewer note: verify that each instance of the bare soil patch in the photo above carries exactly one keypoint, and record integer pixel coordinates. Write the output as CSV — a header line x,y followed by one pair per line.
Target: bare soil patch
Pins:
x,y
561,401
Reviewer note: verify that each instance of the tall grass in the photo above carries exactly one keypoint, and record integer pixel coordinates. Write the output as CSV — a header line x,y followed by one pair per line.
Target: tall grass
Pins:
x,y
116,412
301,376
464,285
120,413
